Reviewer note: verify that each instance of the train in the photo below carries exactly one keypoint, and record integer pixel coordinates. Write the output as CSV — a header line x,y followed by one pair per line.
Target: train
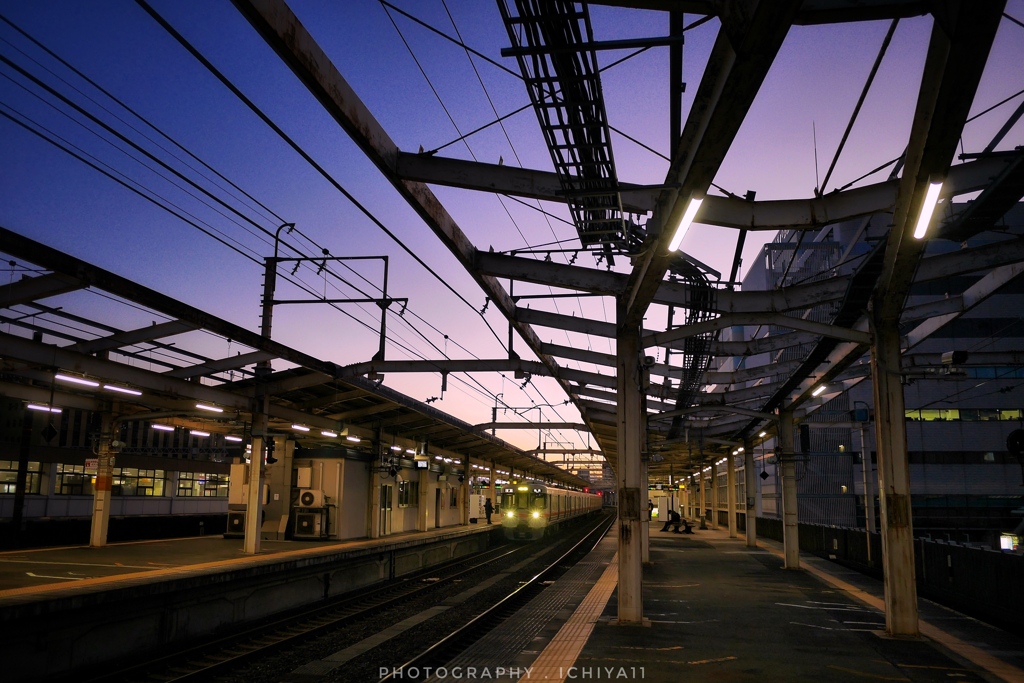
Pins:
x,y
530,510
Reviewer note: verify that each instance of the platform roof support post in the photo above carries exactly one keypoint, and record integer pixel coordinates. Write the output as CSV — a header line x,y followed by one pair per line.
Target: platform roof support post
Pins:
x,y
491,492
104,481
254,498
373,512
426,500
897,531
464,493
630,425
790,531
730,495
645,523
703,500
714,495
750,488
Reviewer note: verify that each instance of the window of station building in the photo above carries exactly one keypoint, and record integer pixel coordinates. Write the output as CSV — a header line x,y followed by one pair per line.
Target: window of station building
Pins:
x,y
202,485
453,497
72,480
963,414
408,494
130,481
9,476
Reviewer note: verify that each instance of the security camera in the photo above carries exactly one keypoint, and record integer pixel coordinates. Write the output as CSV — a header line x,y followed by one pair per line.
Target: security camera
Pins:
x,y
648,361
954,357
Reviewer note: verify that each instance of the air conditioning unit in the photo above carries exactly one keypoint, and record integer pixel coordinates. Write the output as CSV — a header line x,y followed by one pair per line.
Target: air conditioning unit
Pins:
x,y
311,498
236,524
308,525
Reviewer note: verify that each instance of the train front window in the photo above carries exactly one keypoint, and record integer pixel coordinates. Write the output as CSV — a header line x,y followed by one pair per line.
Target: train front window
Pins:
x,y
538,501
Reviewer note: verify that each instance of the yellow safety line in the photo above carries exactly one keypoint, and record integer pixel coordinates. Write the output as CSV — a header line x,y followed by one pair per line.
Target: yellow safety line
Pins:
x,y
555,662
995,666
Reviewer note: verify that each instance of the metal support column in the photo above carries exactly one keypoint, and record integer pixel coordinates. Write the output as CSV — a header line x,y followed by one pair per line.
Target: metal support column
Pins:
x,y
630,424
714,495
750,486
254,495
790,532
730,493
869,494
900,582
491,491
104,479
426,500
645,524
703,500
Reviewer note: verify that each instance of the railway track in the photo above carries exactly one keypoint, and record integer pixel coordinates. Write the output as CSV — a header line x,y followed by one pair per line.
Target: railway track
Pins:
x,y
224,657
446,648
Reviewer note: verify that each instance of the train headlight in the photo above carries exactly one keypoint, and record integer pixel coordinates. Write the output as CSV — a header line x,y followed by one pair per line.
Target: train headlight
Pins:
x,y
536,515
510,514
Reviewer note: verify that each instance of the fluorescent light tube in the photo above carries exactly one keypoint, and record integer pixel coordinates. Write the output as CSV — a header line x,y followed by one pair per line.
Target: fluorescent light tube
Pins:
x,y
931,198
76,380
684,225
122,390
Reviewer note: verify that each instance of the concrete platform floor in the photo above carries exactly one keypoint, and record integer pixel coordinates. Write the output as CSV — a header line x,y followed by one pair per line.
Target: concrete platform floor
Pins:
x,y
720,611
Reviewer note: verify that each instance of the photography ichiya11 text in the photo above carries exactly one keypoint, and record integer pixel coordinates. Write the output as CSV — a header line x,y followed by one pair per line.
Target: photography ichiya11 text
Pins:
x,y
483,673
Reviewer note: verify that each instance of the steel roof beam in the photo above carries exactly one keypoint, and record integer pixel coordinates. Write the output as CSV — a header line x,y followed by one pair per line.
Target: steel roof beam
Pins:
x,y
767,344
753,319
958,305
740,59
444,365
961,38
132,337
677,294
29,289
46,355
973,260
223,365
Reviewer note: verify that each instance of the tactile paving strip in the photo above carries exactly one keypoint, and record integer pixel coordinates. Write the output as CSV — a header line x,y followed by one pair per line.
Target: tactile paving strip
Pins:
x,y
513,644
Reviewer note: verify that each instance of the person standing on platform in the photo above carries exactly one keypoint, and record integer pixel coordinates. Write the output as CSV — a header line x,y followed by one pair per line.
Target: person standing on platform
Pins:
x,y
488,509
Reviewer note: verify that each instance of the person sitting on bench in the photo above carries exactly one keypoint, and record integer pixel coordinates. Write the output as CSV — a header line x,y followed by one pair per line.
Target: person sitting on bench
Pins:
x,y
687,529
673,520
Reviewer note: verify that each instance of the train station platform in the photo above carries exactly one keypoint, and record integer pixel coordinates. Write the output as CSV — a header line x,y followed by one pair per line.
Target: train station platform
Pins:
x,y
74,569
719,611
64,608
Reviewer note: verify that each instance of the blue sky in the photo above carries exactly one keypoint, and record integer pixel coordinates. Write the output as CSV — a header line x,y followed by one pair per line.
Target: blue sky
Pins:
x,y
58,200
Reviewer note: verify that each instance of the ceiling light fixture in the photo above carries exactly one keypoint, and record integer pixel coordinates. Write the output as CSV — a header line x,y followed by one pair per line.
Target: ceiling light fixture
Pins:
x,y
212,409
818,391
76,380
684,224
163,428
300,428
353,439
328,433
122,390
931,198
232,438
45,409
196,432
